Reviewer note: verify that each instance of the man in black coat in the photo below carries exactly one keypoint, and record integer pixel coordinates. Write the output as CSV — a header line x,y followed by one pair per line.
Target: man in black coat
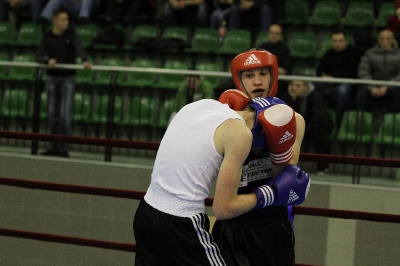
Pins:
x,y
305,100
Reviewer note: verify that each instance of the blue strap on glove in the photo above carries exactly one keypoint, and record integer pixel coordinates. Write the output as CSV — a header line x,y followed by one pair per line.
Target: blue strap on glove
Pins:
x,y
261,104
290,188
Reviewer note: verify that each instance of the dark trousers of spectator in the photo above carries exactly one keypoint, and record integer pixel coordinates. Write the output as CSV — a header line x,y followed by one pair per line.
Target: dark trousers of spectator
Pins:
x,y
390,102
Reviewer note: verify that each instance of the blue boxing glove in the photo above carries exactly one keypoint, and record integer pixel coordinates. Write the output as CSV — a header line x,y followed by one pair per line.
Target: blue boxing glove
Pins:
x,y
290,187
261,104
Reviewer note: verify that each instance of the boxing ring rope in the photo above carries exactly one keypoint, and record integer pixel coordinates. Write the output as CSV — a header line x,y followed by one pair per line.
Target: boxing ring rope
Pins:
x,y
130,144
138,195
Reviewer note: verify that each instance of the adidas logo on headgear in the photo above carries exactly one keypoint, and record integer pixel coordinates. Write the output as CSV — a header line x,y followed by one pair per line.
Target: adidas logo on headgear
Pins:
x,y
252,60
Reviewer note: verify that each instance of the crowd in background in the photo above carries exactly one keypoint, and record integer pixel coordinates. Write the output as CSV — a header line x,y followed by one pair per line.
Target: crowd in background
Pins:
x,y
377,59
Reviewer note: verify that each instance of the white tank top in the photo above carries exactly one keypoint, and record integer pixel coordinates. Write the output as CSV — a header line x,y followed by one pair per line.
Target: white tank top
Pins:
x,y
187,161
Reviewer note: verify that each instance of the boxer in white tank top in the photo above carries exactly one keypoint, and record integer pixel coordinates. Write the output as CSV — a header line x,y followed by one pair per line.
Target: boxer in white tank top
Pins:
x,y
205,141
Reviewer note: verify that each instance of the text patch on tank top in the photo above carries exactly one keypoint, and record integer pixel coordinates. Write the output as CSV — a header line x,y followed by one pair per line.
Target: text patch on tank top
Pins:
x,y
255,170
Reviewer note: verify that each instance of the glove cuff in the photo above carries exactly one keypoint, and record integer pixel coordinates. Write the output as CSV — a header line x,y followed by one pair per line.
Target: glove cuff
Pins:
x,y
281,158
265,196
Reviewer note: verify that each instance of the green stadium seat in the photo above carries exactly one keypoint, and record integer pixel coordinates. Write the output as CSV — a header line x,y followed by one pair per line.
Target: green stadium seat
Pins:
x,y
142,112
7,33
389,132
359,14
14,104
3,69
303,45
296,12
81,110
141,32
262,37
102,78
236,41
104,48
29,35
385,11
179,36
213,67
171,81
83,76
20,73
356,128
168,107
326,44
204,41
99,116
43,106
305,71
141,79
87,33
180,33
326,13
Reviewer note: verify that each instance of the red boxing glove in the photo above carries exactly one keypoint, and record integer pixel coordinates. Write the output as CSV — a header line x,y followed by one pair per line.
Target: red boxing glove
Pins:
x,y
236,99
279,124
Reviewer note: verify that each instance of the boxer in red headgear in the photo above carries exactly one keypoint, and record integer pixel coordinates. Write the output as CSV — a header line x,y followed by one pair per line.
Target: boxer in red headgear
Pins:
x,y
255,59
263,236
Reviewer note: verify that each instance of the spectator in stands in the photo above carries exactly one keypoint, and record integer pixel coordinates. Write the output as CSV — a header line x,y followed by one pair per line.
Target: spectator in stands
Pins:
x,y
246,11
305,100
393,22
277,47
177,11
221,13
381,62
130,9
192,89
61,45
18,6
339,62
82,8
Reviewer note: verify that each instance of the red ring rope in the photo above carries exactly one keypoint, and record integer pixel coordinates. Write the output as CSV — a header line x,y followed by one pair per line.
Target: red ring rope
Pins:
x,y
128,144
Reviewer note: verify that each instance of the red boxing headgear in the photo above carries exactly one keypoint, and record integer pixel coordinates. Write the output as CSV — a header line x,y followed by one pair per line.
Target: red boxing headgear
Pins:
x,y
253,59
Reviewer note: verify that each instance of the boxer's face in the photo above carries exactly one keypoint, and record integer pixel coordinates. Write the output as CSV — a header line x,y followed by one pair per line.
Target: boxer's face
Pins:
x,y
256,82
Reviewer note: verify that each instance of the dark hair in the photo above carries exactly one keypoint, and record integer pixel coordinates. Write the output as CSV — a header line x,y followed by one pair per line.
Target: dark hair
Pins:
x,y
339,31
58,12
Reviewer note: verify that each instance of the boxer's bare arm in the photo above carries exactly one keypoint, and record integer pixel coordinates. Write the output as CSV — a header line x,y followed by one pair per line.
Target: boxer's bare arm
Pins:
x,y
232,140
300,128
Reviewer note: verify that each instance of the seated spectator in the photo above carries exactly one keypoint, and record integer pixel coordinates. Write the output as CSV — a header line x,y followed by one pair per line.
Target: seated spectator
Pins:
x,y
221,13
277,47
381,62
393,22
305,100
194,88
130,9
339,62
246,11
82,8
18,6
177,11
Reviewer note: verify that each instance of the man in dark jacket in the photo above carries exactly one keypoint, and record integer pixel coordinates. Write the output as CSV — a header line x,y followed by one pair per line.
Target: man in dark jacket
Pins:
x,y
277,47
61,44
339,62
305,100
